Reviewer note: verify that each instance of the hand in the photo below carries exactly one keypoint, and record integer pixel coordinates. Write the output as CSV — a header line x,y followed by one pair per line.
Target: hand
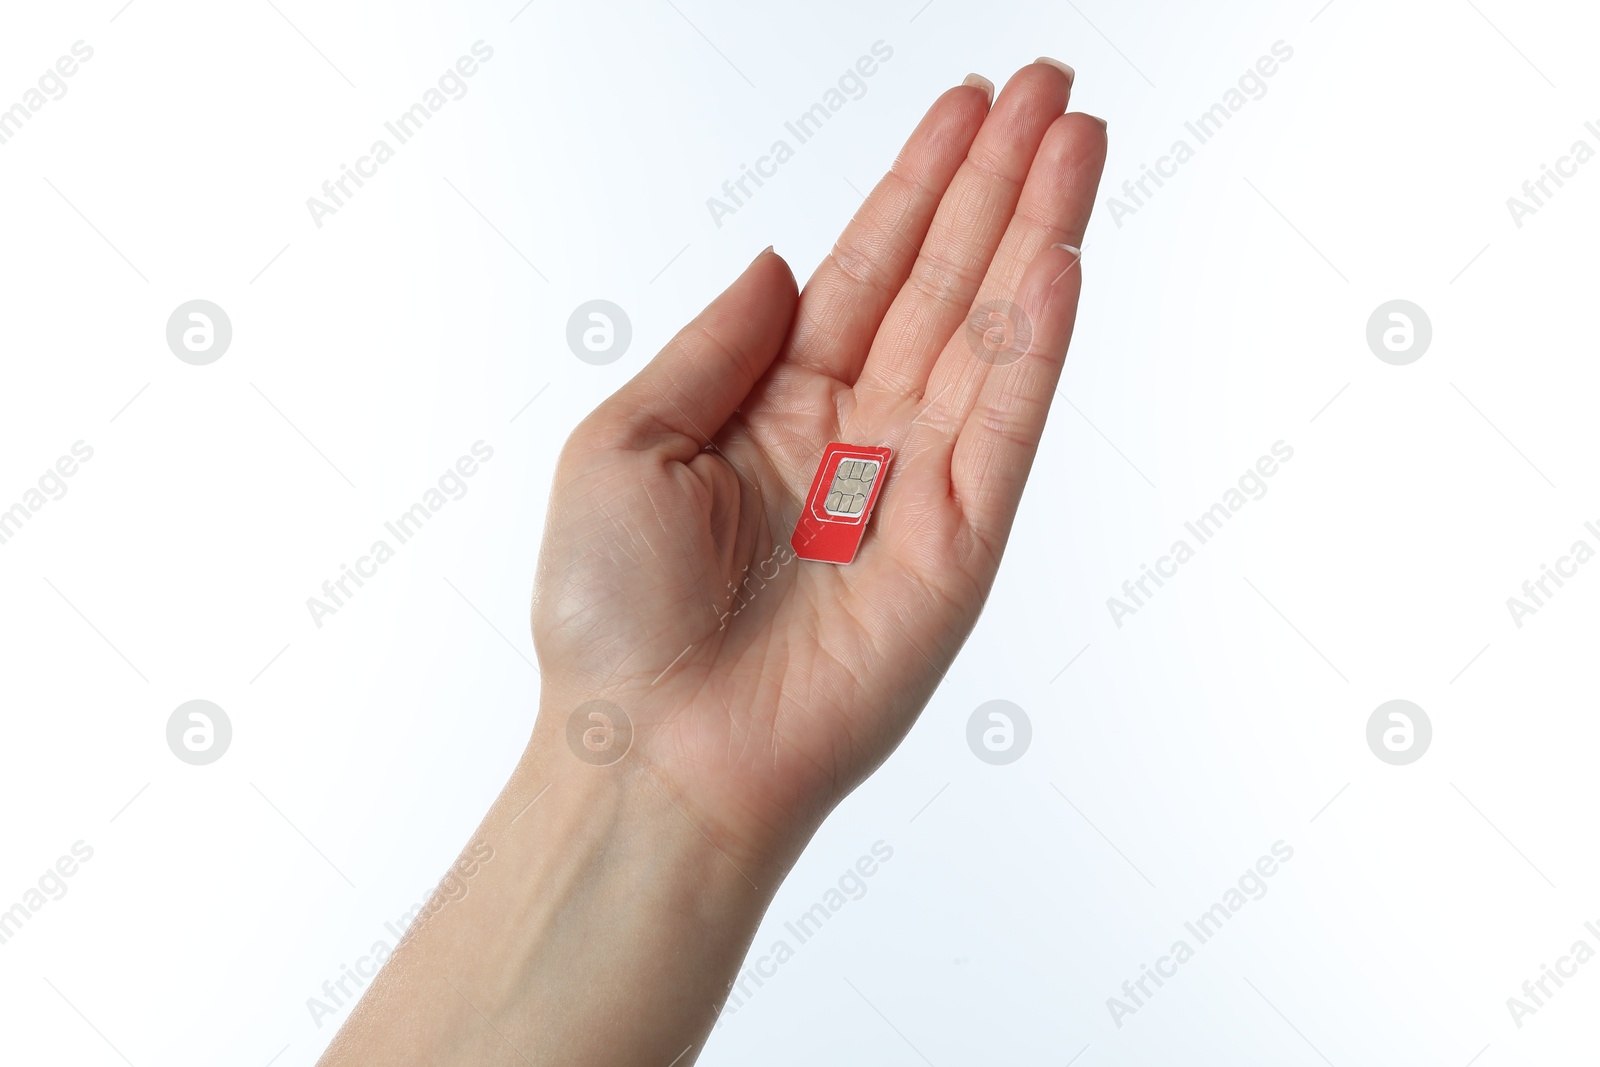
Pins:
x,y
761,688
597,928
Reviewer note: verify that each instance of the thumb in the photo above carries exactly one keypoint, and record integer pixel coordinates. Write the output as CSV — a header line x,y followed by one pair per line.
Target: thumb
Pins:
x,y
704,373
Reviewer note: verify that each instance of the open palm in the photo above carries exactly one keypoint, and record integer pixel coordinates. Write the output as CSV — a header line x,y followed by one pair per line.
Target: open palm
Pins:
x,y
762,688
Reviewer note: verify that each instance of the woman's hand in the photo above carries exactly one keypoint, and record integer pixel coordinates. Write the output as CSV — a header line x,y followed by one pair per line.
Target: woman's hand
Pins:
x,y
761,688
588,920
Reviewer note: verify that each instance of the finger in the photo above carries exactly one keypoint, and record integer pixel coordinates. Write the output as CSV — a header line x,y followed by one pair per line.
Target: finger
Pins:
x,y
682,398
1053,209
994,453
846,298
996,446
966,231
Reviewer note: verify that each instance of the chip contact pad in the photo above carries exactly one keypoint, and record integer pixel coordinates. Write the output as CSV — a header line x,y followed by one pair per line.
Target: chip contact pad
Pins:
x,y
852,485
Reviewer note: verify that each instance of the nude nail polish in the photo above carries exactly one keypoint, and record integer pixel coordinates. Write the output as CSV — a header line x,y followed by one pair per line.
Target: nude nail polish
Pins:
x,y
982,83
1062,67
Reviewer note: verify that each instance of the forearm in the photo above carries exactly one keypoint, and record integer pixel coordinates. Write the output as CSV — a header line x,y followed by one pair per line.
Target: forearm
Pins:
x,y
603,928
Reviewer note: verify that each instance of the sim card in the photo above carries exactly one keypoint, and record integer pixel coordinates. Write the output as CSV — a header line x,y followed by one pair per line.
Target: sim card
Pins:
x,y
836,510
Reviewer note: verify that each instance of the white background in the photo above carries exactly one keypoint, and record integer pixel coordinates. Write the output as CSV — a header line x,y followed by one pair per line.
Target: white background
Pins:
x,y
1229,312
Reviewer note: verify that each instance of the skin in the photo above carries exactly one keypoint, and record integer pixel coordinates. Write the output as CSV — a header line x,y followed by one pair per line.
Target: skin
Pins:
x,y
618,900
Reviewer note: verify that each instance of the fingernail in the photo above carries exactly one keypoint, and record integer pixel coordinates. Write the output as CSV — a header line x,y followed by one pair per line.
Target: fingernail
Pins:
x,y
761,253
1098,119
1077,256
982,83
1062,67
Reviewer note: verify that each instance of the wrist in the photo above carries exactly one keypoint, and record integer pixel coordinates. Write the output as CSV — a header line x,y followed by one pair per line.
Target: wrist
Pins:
x,y
625,759
589,767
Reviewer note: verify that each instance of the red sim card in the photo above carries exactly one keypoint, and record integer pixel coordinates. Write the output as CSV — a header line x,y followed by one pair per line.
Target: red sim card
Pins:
x,y
840,502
